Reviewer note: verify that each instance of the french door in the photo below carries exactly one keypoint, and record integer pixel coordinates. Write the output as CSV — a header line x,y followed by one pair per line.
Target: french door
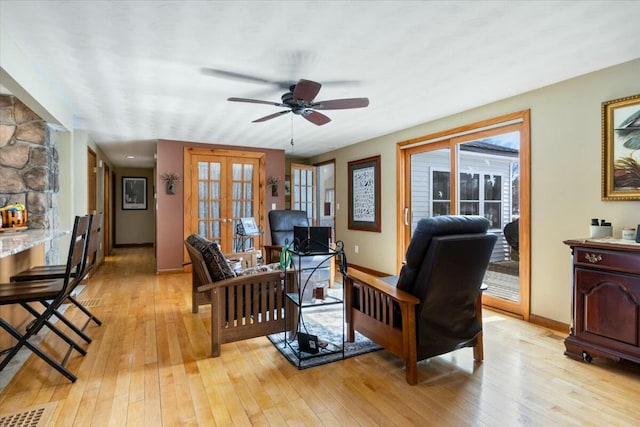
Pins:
x,y
313,191
224,186
303,185
483,170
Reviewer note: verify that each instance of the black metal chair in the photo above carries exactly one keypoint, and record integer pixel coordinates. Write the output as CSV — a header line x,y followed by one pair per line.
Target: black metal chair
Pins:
x,y
51,293
49,272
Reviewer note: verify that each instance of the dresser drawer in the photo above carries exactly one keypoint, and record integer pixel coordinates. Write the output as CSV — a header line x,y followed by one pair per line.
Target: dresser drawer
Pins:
x,y
604,259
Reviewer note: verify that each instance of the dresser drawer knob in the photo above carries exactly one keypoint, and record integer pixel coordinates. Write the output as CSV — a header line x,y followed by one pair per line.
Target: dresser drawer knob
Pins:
x,y
593,258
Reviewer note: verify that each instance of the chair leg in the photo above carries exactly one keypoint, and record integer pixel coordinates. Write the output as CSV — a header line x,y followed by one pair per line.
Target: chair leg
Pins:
x,y
23,341
42,319
478,349
409,343
82,308
194,302
67,322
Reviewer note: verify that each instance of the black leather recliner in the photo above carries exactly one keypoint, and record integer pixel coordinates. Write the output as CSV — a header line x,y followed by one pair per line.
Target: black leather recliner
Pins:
x,y
435,303
281,223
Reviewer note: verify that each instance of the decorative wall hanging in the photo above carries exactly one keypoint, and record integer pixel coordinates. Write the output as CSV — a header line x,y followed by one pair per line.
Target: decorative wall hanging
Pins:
x,y
621,149
273,182
170,179
364,194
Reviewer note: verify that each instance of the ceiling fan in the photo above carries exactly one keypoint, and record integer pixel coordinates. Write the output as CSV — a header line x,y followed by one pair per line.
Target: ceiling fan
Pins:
x,y
300,100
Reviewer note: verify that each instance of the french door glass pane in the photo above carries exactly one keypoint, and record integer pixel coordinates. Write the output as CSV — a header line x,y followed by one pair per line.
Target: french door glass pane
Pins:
x,y
237,171
202,190
215,171
237,190
202,170
215,190
248,172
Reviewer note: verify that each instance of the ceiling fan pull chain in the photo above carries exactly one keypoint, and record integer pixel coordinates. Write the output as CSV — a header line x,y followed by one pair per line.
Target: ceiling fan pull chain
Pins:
x,y
292,134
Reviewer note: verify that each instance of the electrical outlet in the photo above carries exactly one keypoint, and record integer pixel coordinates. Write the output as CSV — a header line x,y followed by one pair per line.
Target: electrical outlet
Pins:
x,y
337,206
273,206
356,249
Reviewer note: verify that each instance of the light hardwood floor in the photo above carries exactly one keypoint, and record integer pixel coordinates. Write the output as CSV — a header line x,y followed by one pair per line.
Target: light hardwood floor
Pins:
x,y
149,365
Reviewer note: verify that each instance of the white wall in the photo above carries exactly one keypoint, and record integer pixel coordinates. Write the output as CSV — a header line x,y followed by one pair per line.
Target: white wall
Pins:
x,y
565,179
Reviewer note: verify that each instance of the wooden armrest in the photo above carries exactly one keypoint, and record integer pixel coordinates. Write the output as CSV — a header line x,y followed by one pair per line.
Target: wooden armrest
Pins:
x,y
374,317
371,281
249,278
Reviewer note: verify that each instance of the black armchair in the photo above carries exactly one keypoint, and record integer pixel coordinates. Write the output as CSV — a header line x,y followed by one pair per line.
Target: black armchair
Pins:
x,y
281,223
434,305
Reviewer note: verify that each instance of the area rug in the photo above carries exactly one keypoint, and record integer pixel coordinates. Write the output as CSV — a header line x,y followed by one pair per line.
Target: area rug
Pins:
x,y
327,324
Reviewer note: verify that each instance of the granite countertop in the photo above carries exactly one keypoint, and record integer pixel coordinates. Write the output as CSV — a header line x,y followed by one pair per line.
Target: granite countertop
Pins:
x,y
13,242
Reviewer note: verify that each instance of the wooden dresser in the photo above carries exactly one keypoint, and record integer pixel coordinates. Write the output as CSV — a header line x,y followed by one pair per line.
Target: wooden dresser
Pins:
x,y
605,299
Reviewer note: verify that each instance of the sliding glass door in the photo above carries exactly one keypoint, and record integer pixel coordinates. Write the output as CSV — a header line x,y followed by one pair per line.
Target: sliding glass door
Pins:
x,y
476,173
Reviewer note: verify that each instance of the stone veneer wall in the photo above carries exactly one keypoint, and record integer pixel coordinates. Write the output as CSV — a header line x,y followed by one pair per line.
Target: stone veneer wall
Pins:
x,y
28,166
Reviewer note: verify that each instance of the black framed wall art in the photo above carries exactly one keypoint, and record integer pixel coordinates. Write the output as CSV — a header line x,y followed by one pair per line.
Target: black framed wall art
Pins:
x,y
364,194
134,193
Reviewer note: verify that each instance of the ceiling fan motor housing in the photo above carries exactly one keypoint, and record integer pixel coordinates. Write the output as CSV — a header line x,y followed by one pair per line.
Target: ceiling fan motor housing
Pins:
x,y
298,106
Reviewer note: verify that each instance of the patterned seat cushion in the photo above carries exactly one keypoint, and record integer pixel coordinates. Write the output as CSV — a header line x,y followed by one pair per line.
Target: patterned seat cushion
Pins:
x,y
216,263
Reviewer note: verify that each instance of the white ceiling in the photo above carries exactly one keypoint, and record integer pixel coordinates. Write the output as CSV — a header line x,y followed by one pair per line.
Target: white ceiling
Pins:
x,y
131,70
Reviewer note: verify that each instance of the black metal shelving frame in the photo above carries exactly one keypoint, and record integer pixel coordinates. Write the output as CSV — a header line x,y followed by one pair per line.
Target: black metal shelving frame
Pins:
x,y
295,300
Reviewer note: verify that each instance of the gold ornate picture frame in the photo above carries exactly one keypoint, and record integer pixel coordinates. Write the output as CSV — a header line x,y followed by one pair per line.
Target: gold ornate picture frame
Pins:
x,y
621,149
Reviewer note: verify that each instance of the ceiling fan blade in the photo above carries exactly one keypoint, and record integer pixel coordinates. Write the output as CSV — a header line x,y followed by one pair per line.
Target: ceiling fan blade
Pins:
x,y
245,77
271,116
306,90
317,118
257,101
341,104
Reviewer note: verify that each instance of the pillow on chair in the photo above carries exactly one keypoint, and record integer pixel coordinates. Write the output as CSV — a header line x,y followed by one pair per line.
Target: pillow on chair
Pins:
x,y
217,264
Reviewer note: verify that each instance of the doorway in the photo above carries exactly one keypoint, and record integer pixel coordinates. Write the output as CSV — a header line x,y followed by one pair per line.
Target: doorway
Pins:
x,y
481,169
325,204
313,191
221,187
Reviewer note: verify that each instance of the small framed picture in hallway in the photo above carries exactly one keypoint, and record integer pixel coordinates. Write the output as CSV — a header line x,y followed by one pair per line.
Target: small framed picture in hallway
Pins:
x,y
134,193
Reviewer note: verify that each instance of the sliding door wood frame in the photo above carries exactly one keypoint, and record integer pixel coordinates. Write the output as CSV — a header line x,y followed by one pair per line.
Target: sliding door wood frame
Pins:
x,y
451,138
